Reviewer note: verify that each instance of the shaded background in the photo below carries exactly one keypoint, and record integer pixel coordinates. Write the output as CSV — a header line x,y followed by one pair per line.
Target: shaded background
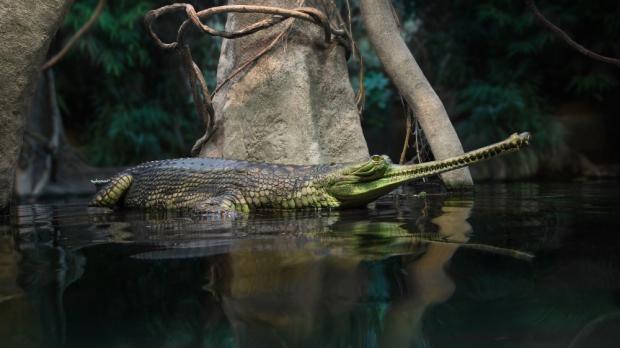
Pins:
x,y
125,101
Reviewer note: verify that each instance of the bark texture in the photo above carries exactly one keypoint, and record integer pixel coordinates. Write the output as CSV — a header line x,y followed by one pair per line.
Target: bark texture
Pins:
x,y
26,29
293,105
406,74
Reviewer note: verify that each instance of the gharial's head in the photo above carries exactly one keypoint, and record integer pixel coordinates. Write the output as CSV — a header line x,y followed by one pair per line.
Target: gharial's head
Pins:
x,y
360,183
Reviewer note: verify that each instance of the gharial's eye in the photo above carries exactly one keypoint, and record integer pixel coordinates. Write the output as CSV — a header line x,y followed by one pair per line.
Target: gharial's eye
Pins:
x,y
376,158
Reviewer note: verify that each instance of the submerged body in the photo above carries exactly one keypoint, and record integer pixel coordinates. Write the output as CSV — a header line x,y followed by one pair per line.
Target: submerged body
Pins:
x,y
215,185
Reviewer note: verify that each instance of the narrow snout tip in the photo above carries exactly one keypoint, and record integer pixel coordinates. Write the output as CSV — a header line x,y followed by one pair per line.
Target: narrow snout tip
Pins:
x,y
525,137
521,139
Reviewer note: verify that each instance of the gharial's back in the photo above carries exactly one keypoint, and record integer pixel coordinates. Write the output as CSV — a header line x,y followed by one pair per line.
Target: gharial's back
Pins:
x,y
211,164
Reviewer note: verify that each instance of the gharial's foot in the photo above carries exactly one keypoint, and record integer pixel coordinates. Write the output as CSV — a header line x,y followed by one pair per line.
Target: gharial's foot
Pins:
x,y
221,214
215,210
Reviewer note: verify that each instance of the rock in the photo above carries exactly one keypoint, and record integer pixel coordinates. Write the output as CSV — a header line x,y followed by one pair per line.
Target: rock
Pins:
x,y
294,105
26,29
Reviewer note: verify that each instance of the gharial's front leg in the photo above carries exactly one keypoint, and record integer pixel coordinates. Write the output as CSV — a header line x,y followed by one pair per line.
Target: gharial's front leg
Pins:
x,y
111,194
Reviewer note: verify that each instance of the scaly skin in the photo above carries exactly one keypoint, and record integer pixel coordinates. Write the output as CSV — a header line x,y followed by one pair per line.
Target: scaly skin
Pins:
x,y
216,185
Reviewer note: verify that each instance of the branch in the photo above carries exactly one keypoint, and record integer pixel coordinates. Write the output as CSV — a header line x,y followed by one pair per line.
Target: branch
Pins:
x,y
278,15
564,36
86,27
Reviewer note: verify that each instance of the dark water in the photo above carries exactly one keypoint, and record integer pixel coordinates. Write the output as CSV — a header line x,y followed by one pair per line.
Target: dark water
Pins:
x,y
518,265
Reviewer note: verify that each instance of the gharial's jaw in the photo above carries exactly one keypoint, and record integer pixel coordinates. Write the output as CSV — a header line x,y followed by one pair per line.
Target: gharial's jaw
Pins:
x,y
417,171
362,191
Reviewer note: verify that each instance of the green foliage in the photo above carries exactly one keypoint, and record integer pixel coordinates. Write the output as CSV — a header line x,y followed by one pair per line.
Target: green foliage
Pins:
x,y
137,132
498,70
116,44
506,72
125,100
592,83
378,95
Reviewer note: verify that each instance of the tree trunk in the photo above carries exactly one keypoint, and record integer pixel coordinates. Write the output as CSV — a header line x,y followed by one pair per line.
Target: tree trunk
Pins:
x,y
293,105
404,71
26,28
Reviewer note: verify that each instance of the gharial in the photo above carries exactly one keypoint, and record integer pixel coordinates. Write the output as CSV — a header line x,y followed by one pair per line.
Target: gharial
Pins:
x,y
219,185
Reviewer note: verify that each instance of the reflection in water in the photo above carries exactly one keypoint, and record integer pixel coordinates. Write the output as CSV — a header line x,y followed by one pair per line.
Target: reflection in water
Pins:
x,y
17,314
262,290
426,280
34,273
410,274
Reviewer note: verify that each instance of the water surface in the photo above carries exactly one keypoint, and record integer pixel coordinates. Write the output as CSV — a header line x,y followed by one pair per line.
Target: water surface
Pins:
x,y
515,265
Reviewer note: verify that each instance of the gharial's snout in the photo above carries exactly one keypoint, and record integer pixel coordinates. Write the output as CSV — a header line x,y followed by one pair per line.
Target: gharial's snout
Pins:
x,y
387,176
521,139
